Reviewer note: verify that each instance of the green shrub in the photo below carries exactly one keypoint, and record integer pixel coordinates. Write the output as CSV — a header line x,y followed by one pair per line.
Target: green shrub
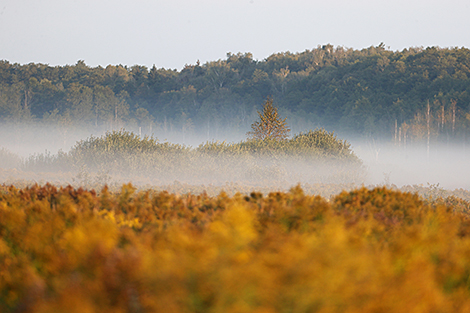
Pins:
x,y
317,156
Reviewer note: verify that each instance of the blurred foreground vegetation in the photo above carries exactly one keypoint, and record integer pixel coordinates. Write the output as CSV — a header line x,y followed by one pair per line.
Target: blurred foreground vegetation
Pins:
x,y
379,250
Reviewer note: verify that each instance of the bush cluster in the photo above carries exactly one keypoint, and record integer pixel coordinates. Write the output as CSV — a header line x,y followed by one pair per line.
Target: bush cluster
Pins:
x,y
73,250
316,156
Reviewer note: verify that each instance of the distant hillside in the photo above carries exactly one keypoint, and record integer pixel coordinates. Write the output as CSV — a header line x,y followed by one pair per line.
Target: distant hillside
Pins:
x,y
372,92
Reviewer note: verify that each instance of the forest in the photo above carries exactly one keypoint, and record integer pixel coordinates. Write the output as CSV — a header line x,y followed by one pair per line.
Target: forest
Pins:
x,y
398,96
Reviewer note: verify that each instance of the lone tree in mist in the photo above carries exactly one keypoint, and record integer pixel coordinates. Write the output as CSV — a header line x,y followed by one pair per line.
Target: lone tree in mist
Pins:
x,y
270,125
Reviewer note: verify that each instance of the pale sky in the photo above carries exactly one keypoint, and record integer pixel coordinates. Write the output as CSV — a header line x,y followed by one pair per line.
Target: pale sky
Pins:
x,y
173,33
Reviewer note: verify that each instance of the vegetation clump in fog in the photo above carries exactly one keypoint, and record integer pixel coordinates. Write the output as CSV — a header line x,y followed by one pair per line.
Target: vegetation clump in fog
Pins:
x,y
316,156
9,159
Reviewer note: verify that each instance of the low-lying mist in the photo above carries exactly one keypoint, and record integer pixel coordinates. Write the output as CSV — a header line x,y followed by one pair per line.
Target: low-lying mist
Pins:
x,y
41,155
446,165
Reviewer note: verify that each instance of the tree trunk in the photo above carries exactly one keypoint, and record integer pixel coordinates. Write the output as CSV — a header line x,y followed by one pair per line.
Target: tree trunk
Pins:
x,y
399,137
396,128
428,118
453,117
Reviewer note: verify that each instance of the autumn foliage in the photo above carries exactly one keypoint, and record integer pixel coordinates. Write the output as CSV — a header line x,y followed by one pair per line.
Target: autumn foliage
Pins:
x,y
73,250
270,125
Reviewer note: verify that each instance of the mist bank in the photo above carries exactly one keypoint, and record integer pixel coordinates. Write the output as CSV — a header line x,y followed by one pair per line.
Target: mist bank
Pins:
x,y
444,165
312,157
33,159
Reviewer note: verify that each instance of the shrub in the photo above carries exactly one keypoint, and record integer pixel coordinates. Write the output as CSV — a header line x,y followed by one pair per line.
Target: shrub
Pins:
x,y
316,156
73,250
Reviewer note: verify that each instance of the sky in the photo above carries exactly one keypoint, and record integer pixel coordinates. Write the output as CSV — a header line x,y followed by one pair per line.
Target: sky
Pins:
x,y
173,33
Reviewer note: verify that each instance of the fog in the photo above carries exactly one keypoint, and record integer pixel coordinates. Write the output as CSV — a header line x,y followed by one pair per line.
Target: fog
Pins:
x,y
446,165
26,140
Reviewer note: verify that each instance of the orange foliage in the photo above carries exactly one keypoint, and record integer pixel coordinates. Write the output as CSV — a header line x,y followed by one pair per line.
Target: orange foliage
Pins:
x,y
380,250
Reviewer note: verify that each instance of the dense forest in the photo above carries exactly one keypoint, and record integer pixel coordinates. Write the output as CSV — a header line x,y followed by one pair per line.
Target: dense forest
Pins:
x,y
399,96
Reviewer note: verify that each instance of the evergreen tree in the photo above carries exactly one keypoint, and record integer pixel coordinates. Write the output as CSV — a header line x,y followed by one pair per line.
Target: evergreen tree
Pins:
x,y
270,125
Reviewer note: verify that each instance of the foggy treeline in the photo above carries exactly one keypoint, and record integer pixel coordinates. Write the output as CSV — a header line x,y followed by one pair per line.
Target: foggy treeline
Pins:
x,y
414,95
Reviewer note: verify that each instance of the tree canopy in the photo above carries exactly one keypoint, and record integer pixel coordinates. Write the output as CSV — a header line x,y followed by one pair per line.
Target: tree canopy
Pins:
x,y
371,92
269,125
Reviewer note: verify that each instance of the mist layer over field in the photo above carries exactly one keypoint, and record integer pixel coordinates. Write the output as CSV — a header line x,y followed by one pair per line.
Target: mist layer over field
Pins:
x,y
27,140
35,153
445,164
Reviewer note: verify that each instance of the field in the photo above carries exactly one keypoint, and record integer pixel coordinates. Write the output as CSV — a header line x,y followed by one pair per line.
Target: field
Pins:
x,y
366,250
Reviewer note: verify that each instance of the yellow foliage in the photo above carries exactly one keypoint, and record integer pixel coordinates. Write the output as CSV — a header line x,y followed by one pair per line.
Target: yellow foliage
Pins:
x,y
380,250
236,228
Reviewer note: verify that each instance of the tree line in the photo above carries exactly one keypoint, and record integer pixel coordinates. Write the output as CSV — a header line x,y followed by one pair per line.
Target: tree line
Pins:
x,y
371,93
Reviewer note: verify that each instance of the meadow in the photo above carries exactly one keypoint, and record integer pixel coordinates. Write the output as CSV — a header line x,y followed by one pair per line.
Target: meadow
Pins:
x,y
366,250
89,243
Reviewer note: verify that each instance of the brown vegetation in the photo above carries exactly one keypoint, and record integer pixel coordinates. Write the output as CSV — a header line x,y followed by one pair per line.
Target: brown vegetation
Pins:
x,y
72,250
